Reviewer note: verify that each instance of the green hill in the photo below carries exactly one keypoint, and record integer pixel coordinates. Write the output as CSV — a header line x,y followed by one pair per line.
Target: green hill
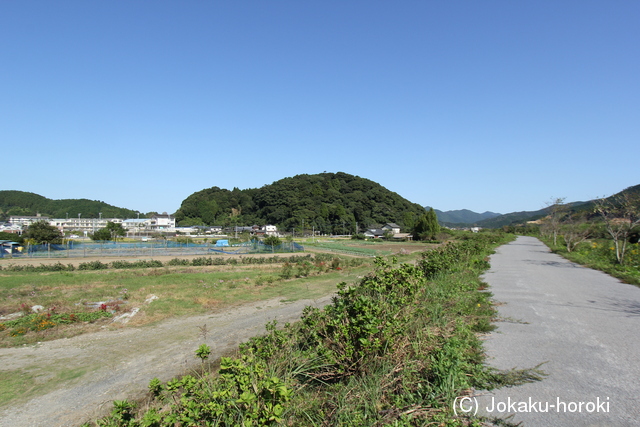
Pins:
x,y
24,203
328,202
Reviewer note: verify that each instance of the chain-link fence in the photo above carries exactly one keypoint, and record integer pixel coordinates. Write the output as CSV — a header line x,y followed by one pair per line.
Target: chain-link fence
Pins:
x,y
72,249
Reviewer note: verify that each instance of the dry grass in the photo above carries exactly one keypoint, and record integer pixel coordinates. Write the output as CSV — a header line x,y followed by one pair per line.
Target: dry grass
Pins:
x,y
180,291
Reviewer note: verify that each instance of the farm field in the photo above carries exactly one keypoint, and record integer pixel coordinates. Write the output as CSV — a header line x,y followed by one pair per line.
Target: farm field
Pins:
x,y
172,298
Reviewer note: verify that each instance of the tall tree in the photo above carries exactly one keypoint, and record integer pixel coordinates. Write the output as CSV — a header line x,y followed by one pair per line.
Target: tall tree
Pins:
x,y
427,226
112,231
557,213
115,230
434,227
42,232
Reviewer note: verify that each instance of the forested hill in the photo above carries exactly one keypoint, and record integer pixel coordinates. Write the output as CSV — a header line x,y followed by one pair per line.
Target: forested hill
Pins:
x,y
24,203
330,202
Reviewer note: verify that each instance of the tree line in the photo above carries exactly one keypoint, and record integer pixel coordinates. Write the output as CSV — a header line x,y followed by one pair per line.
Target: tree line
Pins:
x,y
616,218
15,203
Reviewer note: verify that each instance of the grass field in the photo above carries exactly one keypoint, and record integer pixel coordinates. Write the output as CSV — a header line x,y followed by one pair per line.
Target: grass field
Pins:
x,y
176,290
180,291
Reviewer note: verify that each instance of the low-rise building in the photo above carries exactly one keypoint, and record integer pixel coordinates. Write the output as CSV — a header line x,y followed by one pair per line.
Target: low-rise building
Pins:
x,y
26,220
393,228
136,226
81,225
162,222
11,228
374,233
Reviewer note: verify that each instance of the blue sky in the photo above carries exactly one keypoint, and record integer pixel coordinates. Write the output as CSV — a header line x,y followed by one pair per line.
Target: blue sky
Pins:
x,y
481,105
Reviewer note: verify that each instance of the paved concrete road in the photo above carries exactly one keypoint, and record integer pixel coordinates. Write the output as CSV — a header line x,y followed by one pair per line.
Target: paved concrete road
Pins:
x,y
583,323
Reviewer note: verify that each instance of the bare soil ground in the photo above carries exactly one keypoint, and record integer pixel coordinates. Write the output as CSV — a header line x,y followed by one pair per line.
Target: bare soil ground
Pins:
x,y
114,365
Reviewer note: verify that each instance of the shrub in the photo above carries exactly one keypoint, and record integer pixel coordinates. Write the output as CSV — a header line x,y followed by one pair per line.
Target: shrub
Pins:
x,y
93,265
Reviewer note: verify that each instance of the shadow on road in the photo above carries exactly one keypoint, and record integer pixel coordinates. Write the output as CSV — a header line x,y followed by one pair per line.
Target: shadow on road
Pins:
x,y
561,264
615,305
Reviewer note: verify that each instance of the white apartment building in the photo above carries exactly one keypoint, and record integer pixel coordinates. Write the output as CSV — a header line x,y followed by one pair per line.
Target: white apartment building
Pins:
x,y
25,220
163,222
85,226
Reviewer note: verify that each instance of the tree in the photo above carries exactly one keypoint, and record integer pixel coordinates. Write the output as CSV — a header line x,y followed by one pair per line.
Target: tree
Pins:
x,y
101,235
10,236
621,216
272,241
557,213
42,232
112,231
116,230
575,230
427,226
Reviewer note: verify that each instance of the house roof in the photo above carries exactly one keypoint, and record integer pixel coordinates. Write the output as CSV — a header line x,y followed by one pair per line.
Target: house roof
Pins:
x,y
391,224
375,231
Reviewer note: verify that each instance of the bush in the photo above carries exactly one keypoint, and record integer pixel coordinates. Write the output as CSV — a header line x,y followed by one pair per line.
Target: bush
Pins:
x,y
178,262
36,322
93,265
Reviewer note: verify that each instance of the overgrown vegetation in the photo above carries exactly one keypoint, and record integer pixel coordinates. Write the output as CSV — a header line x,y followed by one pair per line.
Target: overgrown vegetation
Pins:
x,y
395,348
600,254
196,262
36,322
604,236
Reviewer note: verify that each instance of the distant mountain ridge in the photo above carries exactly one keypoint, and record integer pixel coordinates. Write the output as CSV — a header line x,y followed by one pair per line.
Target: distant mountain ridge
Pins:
x,y
463,216
514,218
15,203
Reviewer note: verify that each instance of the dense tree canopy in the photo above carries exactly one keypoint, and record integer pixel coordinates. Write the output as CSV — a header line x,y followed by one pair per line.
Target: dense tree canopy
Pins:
x,y
24,203
111,232
327,202
10,236
41,232
427,227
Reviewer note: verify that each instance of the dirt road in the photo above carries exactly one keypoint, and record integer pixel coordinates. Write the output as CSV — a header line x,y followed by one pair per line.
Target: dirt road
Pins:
x,y
97,368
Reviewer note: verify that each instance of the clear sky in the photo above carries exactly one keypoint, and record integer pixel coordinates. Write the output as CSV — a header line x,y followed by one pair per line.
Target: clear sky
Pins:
x,y
483,105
